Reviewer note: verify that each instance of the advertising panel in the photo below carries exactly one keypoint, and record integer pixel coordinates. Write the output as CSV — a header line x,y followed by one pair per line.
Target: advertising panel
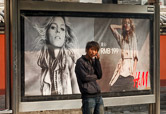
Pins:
x,y
51,45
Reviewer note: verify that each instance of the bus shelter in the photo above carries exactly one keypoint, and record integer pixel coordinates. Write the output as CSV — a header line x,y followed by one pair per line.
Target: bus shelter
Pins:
x,y
41,81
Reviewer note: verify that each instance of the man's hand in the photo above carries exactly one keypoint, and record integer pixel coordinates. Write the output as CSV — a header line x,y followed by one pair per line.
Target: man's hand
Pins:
x,y
97,56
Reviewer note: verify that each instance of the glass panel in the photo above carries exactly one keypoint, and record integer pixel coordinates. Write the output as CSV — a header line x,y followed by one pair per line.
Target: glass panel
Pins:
x,y
120,73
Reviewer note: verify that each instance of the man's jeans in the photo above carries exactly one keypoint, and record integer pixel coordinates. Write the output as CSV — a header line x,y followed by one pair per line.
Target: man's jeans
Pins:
x,y
92,105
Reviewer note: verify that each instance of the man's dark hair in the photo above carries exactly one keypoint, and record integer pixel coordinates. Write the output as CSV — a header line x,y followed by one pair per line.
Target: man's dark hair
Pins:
x,y
92,44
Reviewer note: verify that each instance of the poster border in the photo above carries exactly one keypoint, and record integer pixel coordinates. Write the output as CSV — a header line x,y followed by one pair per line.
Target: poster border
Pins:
x,y
84,14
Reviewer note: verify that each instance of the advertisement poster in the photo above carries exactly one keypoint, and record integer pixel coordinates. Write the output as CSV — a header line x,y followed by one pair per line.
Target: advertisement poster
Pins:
x,y
1,11
52,46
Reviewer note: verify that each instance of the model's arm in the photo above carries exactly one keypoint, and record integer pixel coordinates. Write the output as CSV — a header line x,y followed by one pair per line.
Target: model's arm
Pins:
x,y
134,67
114,29
82,73
45,82
116,73
135,54
74,84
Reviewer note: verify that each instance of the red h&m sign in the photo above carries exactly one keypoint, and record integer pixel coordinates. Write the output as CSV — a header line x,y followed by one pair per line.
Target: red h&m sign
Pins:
x,y
143,81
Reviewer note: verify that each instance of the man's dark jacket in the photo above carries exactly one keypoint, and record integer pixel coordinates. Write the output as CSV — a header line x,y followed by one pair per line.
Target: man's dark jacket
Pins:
x,y
87,73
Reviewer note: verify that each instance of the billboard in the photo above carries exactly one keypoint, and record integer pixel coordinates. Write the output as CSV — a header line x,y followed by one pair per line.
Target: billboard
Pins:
x,y
51,45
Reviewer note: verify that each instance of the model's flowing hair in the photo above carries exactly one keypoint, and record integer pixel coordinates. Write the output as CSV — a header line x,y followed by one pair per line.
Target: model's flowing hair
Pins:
x,y
42,39
70,44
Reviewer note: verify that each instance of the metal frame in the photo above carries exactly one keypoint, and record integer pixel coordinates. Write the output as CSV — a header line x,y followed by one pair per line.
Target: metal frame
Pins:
x,y
14,28
84,7
76,104
8,59
7,39
156,109
19,106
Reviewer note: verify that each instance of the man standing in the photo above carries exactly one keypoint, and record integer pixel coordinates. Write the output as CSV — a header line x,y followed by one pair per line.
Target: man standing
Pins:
x,y
88,70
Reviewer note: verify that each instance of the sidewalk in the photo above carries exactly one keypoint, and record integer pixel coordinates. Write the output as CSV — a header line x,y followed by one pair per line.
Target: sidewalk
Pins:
x,y
2,102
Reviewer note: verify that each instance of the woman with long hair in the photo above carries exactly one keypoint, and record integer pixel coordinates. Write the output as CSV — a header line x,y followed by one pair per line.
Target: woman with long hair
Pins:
x,y
123,77
57,57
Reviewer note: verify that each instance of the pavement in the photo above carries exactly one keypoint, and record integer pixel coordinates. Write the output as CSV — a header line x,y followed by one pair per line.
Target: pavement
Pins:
x,y
2,102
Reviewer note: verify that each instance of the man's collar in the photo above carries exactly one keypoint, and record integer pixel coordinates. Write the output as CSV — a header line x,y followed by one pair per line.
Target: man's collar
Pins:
x,y
84,57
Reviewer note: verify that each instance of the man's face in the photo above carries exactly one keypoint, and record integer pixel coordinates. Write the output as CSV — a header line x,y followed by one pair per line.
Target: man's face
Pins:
x,y
92,52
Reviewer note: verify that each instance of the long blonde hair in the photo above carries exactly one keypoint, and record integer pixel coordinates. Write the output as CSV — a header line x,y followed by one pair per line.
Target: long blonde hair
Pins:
x,y
42,39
